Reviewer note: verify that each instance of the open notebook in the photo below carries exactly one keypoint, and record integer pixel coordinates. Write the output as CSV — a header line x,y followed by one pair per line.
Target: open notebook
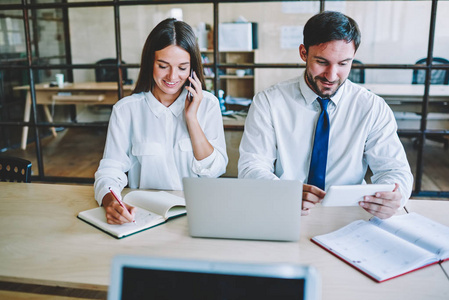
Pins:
x,y
243,208
138,277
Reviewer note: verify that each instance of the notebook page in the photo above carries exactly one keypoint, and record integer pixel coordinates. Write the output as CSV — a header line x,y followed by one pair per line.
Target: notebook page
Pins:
x,y
375,251
157,202
418,230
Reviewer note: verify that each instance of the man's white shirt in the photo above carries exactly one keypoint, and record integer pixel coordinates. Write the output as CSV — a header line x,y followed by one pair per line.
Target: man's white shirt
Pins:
x,y
279,131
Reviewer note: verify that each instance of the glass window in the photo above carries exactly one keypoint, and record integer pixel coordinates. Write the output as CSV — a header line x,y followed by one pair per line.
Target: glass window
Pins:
x,y
12,56
92,38
393,33
48,41
12,34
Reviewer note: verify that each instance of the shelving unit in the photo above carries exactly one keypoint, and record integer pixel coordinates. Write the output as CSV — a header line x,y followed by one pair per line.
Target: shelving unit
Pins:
x,y
232,84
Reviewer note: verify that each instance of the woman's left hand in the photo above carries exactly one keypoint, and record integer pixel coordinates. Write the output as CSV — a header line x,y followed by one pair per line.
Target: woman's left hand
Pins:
x,y
192,104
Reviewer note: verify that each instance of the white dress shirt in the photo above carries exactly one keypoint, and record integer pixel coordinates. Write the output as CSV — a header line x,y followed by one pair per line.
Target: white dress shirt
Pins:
x,y
279,130
151,142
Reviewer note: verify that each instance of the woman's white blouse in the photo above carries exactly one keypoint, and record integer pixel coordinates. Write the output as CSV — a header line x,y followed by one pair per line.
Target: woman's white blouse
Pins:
x,y
151,143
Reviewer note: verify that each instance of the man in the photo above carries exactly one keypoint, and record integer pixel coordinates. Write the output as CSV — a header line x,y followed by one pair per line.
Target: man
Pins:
x,y
356,127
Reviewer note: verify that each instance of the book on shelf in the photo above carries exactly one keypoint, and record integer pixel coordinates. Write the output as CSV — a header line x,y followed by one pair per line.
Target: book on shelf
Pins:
x,y
153,208
208,72
389,248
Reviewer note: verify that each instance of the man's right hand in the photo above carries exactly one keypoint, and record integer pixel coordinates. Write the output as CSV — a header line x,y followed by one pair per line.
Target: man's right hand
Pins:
x,y
311,195
115,213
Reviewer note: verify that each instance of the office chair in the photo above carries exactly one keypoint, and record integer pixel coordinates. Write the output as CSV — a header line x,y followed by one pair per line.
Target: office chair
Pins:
x,y
14,169
357,75
110,74
436,77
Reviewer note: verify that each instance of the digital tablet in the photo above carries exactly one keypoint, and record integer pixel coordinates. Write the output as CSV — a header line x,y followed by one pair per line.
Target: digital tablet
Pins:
x,y
351,195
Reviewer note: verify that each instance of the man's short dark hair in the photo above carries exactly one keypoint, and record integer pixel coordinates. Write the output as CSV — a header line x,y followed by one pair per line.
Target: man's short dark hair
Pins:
x,y
331,26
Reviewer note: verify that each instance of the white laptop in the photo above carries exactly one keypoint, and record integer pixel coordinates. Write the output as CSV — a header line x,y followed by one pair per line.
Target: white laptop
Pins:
x,y
138,277
243,208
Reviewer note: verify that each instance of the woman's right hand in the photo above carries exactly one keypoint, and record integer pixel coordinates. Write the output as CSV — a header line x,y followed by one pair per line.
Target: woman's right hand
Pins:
x,y
115,213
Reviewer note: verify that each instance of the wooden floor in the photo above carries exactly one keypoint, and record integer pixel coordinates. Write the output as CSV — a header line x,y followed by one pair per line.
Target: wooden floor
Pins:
x,y
76,152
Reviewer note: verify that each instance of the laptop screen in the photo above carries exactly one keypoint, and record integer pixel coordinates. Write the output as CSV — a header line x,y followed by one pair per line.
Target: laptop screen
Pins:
x,y
134,277
160,284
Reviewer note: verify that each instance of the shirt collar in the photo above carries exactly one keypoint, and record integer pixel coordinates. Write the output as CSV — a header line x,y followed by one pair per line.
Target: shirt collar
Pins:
x,y
310,96
158,108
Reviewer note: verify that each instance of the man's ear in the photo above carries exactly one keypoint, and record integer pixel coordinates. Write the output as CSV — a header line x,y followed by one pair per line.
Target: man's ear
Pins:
x,y
303,52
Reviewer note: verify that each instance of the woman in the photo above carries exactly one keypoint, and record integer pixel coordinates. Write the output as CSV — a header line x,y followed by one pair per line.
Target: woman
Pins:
x,y
160,133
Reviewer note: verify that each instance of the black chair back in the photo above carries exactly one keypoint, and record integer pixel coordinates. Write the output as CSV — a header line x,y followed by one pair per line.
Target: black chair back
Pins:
x,y
109,73
437,76
14,169
357,75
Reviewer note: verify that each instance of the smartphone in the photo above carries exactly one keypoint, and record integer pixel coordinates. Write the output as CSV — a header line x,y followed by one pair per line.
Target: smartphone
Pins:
x,y
190,96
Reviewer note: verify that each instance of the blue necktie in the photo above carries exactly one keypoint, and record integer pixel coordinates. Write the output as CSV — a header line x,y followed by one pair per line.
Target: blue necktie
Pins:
x,y
317,171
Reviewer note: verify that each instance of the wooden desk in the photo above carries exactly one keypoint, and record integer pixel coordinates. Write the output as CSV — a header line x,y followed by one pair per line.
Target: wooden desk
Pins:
x,y
409,97
42,242
90,93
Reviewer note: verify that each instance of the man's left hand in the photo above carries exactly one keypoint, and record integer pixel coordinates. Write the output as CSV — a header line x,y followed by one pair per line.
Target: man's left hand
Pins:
x,y
383,204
